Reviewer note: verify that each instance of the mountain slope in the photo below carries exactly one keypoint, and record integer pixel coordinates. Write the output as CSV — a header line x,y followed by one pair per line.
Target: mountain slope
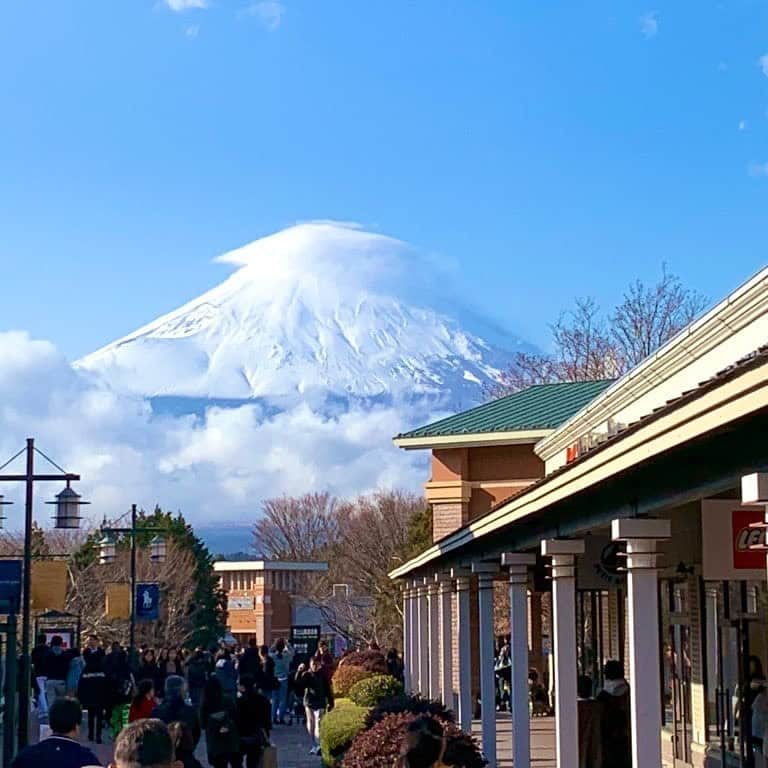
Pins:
x,y
312,312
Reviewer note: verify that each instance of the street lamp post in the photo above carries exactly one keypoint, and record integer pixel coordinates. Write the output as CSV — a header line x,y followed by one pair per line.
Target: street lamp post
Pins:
x,y
108,552
67,516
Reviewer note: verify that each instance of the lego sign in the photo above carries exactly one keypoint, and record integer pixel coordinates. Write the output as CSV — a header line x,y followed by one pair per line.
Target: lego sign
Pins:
x,y
728,541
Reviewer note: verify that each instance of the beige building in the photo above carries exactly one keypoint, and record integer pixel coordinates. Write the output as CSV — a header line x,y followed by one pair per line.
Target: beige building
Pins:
x,y
662,472
261,596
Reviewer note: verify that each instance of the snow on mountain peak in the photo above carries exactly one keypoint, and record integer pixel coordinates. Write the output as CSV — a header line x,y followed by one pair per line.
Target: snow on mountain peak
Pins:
x,y
311,312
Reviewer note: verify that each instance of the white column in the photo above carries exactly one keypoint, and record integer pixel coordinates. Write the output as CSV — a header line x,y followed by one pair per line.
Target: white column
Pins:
x,y
446,641
407,637
434,639
461,575
413,646
486,572
642,536
563,553
422,639
518,564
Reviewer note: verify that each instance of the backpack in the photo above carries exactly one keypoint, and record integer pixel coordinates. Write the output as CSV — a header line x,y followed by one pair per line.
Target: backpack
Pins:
x,y
221,733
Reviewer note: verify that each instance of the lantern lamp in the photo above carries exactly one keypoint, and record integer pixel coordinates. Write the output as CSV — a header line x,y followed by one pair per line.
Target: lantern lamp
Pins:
x,y
3,503
157,549
107,550
68,503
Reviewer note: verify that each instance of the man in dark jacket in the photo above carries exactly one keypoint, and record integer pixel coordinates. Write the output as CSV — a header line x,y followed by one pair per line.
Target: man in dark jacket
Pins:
x,y
62,748
318,699
93,692
250,661
614,726
174,708
55,668
197,674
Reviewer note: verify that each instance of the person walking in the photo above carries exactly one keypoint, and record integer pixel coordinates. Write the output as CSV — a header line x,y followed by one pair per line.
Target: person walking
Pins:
x,y
174,708
93,694
219,719
226,673
590,716
615,736
55,670
120,686
184,745
318,699
75,671
62,748
281,656
149,670
254,721
144,702
197,669
250,661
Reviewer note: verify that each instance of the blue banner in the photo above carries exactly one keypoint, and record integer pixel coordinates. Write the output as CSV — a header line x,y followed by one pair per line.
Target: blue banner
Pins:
x,y
147,602
10,586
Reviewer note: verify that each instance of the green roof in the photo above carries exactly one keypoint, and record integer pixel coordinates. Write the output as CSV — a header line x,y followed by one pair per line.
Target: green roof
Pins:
x,y
544,406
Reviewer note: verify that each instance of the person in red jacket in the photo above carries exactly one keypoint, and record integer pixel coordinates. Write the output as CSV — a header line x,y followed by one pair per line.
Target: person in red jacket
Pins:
x,y
144,701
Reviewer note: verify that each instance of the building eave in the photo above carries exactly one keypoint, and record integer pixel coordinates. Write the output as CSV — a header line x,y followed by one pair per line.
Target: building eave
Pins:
x,y
729,396
473,440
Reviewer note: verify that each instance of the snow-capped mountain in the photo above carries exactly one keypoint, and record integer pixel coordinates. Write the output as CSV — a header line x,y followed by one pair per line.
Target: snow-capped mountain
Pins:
x,y
313,313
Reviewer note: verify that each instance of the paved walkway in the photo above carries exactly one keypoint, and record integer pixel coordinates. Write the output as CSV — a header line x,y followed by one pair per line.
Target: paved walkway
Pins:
x,y
292,742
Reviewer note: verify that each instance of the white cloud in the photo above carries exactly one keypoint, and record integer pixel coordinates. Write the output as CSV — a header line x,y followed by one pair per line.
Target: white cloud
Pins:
x,y
215,467
758,169
269,12
185,5
649,24
193,30
763,63
742,125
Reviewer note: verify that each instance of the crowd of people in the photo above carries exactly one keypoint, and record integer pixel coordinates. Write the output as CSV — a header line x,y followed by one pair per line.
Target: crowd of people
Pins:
x,y
232,697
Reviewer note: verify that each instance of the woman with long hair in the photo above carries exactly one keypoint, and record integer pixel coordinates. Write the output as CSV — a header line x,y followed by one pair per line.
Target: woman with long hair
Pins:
x,y
423,744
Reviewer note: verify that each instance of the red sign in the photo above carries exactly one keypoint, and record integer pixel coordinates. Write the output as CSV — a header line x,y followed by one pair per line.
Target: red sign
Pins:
x,y
745,537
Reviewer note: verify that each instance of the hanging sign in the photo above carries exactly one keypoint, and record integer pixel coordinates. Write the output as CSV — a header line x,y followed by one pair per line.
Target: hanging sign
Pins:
x,y
10,586
727,541
240,603
600,565
118,597
49,585
147,602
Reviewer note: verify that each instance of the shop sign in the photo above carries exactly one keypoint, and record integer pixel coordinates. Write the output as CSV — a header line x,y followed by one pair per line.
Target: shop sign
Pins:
x,y
305,640
240,603
600,565
727,541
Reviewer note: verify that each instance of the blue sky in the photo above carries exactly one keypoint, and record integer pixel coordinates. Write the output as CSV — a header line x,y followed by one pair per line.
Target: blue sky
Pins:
x,y
548,149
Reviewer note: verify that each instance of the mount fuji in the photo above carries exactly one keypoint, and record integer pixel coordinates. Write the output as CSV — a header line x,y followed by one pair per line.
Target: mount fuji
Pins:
x,y
316,315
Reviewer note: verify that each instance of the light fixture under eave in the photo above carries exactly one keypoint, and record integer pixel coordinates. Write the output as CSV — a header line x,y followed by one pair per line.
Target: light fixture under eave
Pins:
x,y
68,503
157,549
107,550
3,503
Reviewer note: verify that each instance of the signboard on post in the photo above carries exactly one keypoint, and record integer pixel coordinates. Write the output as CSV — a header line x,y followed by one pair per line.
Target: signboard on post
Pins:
x,y
10,586
118,600
147,602
305,640
49,585
600,566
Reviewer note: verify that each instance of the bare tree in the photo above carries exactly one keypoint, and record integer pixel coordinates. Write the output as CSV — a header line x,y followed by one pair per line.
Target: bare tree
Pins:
x,y
648,316
587,347
297,528
375,537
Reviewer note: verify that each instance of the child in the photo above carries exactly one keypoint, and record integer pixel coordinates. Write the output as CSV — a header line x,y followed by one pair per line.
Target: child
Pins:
x,y
143,702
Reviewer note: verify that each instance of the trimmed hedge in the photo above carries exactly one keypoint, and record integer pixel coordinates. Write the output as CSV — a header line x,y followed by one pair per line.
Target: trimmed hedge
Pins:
x,y
346,676
380,746
338,729
373,661
372,690
394,705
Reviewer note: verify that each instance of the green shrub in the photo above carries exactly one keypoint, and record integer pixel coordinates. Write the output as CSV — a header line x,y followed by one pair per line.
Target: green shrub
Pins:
x,y
346,676
338,729
379,747
393,705
371,691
